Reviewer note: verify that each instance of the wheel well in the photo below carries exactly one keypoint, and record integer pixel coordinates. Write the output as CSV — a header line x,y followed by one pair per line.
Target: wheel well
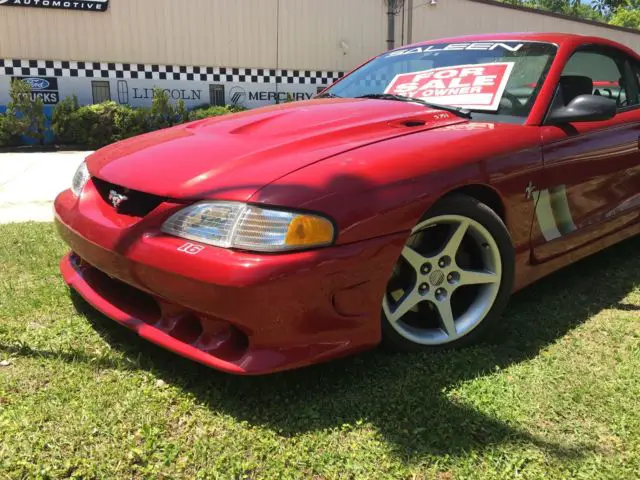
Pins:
x,y
486,195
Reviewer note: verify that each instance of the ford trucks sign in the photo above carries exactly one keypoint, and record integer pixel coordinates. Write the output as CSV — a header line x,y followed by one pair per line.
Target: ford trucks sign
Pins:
x,y
44,88
37,83
90,5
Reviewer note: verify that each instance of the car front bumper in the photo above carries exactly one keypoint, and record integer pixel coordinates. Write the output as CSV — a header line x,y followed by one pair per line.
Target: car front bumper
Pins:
x,y
235,311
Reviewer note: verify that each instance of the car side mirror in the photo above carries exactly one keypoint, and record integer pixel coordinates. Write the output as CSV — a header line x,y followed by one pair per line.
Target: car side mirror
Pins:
x,y
584,108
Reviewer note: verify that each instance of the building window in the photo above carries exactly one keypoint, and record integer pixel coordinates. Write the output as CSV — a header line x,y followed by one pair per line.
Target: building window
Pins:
x,y
216,95
101,91
123,92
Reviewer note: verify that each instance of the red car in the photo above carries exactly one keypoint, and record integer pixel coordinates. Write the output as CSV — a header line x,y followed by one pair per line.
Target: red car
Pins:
x,y
402,205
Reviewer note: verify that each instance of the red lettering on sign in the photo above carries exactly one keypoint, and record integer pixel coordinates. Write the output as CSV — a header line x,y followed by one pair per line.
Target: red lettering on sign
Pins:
x,y
479,86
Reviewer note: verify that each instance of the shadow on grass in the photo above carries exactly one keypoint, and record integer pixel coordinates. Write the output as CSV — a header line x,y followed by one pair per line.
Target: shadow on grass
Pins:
x,y
625,307
72,356
404,396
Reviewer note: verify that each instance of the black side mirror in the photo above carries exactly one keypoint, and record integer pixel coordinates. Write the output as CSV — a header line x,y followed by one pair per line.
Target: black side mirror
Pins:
x,y
584,108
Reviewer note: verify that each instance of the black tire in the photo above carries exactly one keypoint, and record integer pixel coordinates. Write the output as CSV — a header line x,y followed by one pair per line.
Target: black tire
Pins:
x,y
486,330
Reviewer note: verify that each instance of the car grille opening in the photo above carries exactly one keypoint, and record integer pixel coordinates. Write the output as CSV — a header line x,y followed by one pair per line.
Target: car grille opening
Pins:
x,y
211,335
137,203
132,301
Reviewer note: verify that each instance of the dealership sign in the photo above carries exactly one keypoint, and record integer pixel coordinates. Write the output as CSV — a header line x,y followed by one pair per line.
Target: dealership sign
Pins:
x,y
476,86
239,96
44,88
90,5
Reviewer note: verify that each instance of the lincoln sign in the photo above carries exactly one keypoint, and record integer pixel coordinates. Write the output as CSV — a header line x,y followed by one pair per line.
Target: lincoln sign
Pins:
x,y
90,5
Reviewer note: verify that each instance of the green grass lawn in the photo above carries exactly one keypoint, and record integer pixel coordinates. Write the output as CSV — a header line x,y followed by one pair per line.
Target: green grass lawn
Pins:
x,y
559,397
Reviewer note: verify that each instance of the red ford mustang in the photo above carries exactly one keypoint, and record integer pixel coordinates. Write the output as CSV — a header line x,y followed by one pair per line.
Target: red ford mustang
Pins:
x,y
402,205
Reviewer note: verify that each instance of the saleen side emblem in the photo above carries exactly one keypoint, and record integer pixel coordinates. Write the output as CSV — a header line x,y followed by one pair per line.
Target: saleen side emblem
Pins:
x,y
529,191
116,198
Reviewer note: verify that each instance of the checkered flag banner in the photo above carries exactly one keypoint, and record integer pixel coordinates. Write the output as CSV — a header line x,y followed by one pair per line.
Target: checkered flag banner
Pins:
x,y
57,68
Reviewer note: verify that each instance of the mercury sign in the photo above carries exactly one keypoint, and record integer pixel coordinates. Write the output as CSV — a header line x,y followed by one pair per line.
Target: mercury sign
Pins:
x,y
90,5
45,88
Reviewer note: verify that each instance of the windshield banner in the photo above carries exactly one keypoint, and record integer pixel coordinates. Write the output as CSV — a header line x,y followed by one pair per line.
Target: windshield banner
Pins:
x,y
477,86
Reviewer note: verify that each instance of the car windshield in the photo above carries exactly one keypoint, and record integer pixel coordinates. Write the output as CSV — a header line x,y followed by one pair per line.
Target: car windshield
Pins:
x,y
493,79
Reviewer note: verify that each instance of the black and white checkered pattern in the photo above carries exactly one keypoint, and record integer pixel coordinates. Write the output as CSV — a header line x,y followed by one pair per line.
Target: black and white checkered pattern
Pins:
x,y
57,68
376,80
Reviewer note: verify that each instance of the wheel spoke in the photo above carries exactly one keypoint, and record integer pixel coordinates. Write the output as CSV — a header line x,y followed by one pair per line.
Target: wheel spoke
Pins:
x,y
446,315
453,244
414,258
472,277
405,304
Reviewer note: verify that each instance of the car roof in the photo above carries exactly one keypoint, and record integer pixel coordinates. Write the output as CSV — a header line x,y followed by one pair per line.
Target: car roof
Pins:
x,y
550,37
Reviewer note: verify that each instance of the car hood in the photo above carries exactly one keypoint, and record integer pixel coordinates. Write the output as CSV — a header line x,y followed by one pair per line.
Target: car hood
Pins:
x,y
234,156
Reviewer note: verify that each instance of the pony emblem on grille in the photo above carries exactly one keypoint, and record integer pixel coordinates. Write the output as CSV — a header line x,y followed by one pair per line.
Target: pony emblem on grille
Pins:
x,y
116,198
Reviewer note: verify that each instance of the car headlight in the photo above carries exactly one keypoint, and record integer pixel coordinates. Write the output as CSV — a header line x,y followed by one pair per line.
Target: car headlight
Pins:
x,y
80,179
249,227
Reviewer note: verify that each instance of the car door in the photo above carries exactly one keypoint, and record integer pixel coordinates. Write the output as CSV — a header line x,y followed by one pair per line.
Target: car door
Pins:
x,y
591,176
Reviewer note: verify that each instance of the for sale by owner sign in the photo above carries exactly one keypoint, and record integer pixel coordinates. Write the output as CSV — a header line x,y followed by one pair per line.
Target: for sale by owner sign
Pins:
x,y
90,5
476,86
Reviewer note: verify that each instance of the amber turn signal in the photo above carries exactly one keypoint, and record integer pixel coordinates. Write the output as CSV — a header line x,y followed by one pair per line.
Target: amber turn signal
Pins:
x,y
309,230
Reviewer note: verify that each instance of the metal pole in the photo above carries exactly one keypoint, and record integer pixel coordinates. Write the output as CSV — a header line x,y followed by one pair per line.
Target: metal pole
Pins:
x,y
403,24
391,25
410,22
278,51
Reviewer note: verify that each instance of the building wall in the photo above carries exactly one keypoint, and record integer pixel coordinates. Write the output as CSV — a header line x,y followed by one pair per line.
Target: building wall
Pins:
x,y
260,51
312,34
191,32
333,35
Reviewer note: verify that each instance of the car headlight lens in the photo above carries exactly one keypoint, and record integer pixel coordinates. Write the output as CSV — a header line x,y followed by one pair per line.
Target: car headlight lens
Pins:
x,y
80,179
249,227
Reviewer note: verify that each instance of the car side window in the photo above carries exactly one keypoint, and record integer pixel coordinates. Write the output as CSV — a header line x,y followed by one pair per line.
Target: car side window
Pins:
x,y
599,73
634,82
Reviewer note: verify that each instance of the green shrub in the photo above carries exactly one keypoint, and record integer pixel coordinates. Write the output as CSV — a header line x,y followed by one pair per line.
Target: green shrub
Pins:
x,y
93,125
104,123
6,139
161,110
129,122
182,114
100,124
25,115
163,114
61,123
207,112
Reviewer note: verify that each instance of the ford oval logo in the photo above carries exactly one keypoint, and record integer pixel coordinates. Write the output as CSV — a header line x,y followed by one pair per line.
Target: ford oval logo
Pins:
x,y
37,83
